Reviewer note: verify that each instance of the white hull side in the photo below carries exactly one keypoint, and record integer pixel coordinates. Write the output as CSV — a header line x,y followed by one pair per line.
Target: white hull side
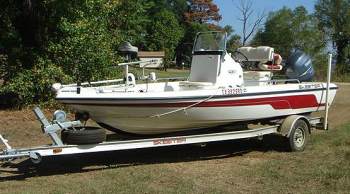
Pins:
x,y
194,118
144,120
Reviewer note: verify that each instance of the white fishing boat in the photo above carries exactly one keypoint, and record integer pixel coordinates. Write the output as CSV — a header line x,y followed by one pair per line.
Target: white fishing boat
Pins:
x,y
217,92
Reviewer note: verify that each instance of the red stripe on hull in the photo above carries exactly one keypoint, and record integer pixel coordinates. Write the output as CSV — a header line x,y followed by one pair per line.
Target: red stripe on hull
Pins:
x,y
283,102
280,102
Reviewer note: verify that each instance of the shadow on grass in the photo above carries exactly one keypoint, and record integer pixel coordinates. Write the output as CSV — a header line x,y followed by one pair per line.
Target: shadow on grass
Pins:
x,y
119,159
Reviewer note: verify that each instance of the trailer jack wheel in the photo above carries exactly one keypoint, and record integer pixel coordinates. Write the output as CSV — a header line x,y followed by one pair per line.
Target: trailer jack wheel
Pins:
x,y
35,157
298,136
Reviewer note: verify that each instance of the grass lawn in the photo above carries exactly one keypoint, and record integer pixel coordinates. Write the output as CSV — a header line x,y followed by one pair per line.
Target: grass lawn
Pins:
x,y
225,167
161,73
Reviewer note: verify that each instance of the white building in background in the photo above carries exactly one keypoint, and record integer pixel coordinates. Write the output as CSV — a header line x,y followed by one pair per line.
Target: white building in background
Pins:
x,y
156,56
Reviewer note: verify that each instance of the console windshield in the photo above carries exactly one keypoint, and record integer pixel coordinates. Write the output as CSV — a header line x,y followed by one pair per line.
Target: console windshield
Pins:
x,y
210,41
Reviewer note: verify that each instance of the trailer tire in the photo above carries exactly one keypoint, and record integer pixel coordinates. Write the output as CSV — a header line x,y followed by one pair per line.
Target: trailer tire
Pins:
x,y
298,136
83,135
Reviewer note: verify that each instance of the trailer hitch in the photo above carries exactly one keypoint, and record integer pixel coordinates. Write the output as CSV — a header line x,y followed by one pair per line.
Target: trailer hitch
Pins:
x,y
58,123
9,153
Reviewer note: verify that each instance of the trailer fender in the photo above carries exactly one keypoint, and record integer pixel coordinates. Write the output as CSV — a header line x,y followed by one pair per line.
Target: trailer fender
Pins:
x,y
288,123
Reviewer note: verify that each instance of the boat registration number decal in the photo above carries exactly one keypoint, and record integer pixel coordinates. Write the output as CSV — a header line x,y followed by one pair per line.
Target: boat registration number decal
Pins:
x,y
169,141
309,86
233,91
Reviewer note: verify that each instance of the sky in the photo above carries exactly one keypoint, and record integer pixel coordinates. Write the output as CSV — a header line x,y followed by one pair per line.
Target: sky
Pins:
x,y
230,13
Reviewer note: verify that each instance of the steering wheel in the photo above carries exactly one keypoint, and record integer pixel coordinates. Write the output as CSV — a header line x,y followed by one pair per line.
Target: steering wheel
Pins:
x,y
240,53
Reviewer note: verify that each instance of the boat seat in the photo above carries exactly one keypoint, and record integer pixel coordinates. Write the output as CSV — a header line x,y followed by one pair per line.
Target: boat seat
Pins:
x,y
195,84
260,54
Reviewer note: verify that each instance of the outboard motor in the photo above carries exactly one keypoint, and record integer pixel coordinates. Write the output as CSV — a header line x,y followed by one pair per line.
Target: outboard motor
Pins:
x,y
299,66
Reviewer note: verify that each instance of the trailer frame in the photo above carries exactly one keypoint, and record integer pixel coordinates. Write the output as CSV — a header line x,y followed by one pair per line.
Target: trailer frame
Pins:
x,y
58,148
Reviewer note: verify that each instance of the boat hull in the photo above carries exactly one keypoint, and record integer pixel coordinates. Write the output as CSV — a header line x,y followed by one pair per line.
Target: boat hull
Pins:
x,y
167,114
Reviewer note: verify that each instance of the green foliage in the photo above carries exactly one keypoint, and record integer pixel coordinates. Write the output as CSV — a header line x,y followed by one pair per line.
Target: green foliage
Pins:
x,y
233,43
74,35
11,48
234,40
85,51
228,29
34,85
178,7
128,20
288,29
333,17
184,49
3,63
78,40
165,33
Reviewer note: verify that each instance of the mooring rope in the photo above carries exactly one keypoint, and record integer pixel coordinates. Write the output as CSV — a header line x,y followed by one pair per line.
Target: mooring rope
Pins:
x,y
185,108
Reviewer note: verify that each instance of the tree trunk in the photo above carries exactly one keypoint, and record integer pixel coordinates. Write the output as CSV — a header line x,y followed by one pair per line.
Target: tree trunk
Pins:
x,y
341,55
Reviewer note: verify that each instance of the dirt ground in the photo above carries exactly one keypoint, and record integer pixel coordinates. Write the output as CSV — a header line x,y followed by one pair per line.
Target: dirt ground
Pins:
x,y
238,167
340,110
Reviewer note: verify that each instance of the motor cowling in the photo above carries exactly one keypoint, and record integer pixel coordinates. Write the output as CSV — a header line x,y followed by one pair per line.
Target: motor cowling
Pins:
x,y
299,66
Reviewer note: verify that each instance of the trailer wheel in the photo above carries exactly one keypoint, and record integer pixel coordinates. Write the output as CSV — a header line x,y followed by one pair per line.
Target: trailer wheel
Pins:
x,y
83,135
298,136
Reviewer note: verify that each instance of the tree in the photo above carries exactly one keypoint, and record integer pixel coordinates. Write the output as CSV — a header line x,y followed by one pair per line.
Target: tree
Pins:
x,y
52,41
228,29
129,20
234,42
42,42
18,36
288,29
203,11
178,7
201,15
165,33
248,29
333,16
85,49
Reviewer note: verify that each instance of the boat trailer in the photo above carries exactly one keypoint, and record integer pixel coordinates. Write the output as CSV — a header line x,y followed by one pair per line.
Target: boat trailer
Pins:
x,y
287,127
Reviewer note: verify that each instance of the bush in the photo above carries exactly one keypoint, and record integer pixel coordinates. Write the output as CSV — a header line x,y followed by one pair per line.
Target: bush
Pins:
x,y
85,51
77,46
32,86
